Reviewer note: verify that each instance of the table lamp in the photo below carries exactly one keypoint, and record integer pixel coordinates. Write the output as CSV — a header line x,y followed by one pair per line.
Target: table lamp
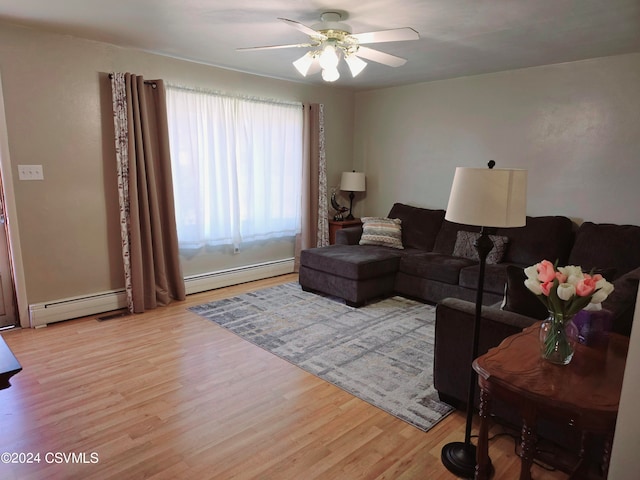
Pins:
x,y
352,182
484,197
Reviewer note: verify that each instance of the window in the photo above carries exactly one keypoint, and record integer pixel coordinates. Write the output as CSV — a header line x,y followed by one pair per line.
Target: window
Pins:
x,y
237,167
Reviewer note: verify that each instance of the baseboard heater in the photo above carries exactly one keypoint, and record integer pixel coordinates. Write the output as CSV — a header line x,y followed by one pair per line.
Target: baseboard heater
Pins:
x,y
41,314
235,276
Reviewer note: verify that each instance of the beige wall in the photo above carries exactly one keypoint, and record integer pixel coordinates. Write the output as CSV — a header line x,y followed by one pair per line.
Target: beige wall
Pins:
x,y
58,113
574,126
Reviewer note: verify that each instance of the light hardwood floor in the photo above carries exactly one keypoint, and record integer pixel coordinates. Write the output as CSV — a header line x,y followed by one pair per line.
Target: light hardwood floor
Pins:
x,y
168,394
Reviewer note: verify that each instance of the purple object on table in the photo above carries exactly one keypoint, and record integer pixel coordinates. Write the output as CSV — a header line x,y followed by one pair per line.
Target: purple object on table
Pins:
x,y
593,326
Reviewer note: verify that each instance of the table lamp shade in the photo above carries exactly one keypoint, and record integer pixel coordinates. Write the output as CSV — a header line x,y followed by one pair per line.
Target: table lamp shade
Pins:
x,y
488,197
352,182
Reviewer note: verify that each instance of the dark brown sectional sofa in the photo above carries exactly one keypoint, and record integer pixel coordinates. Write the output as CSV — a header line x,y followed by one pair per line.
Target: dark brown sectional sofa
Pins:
x,y
426,269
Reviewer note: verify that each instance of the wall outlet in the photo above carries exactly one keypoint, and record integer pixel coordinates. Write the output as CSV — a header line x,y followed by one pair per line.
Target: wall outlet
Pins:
x,y
30,172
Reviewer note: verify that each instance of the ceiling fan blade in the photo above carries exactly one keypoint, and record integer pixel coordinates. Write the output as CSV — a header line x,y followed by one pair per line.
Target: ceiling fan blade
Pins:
x,y
273,47
303,28
393,35
380,57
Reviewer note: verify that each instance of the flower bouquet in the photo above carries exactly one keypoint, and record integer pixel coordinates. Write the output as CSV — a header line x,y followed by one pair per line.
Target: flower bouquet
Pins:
x,y
564,291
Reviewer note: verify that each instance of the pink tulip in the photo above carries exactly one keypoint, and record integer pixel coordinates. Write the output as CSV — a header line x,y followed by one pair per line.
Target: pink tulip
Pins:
x,y
546,287
562,278
546,272
586,286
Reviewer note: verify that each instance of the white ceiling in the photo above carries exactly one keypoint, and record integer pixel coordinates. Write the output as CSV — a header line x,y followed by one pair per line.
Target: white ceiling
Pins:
x,y
457,37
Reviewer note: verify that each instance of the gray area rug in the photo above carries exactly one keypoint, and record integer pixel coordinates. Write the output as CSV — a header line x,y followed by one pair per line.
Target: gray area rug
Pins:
x,y
381,353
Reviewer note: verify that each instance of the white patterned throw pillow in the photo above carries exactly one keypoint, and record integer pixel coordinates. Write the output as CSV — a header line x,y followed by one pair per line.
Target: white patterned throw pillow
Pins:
x,y
386,232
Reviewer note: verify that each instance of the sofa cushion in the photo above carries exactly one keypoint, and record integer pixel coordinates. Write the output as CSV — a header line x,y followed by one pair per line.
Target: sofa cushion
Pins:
x,y
386,232
495,277
356,262
465,247
420,226
435,266
541,238
606,246
349,235
518,298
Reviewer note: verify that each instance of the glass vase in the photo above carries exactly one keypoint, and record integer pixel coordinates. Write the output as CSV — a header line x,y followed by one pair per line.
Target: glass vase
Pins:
x,y
558,337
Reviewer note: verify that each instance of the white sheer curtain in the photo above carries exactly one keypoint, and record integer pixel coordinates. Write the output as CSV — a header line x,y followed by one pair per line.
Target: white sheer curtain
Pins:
x,y
237,167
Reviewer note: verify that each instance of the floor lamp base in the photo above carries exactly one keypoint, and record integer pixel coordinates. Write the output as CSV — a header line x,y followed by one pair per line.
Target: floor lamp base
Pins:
x,y
460,459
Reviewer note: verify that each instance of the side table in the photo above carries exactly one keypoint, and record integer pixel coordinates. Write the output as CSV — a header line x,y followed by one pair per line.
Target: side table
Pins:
x,y
585,393
335,225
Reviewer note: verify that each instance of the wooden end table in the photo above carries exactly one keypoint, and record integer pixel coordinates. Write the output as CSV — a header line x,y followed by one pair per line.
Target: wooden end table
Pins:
x,y
584,394
335,225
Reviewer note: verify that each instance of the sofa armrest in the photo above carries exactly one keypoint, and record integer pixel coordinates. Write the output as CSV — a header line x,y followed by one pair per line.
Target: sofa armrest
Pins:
x,y
349,235
622,301
453,339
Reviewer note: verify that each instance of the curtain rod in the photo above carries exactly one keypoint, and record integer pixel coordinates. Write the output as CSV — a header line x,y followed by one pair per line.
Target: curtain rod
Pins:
x,y
146,82
224,94
272,101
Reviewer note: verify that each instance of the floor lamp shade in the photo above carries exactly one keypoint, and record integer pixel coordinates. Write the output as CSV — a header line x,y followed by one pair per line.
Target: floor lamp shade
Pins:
x,y
488,197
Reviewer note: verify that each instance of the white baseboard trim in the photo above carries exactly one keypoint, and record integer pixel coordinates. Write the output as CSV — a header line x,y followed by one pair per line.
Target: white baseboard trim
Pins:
x,y
41,314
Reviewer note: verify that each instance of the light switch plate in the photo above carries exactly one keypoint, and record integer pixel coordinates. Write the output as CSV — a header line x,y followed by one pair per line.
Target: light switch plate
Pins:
x,y
30,172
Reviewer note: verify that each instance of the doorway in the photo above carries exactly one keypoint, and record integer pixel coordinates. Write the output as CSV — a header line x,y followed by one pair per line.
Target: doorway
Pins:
x,y
13,303
8,317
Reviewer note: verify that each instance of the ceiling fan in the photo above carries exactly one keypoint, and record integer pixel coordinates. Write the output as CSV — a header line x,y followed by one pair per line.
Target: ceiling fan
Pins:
x,y
331,38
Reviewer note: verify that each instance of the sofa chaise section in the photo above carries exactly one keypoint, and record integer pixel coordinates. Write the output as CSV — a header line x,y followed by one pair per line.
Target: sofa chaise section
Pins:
x,y
360,273
356,274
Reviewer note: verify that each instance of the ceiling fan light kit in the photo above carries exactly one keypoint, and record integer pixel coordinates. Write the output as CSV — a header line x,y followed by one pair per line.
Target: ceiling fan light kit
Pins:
x,y
356,64
329,57
303,64
332,39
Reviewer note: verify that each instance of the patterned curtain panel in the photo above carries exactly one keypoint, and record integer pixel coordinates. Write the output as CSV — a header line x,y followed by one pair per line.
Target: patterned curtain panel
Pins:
x,y
315,221
323,206
153,275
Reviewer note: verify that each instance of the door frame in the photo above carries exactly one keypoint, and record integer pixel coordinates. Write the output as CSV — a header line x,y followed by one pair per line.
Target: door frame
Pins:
x,y
11,215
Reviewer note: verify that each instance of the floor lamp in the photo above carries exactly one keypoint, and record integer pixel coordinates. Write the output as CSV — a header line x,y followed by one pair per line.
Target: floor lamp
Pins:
x,y
488,198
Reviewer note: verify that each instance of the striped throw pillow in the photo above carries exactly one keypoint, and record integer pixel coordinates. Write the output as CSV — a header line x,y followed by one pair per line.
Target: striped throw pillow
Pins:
x,y
386,232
